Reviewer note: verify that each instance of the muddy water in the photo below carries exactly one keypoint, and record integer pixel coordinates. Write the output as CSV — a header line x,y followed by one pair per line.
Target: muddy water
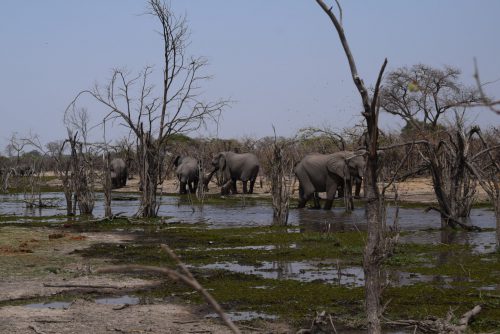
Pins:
x,y
420,227
245,212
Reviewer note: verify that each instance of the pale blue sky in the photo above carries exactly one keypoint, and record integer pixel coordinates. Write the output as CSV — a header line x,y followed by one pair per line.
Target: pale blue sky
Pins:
x,y
280,60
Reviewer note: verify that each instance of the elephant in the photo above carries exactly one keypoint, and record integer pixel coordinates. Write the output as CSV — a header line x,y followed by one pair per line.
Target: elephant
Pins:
x,y
22,170
234,167
326,172
119,173
187,171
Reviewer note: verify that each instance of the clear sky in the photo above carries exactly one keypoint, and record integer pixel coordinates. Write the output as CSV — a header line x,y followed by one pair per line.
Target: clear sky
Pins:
x,y
280,60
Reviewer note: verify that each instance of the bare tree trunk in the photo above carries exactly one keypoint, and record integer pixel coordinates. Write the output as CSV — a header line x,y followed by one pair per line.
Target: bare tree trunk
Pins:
x,y
107,186
372,253
280,190
497,216
375,249
149,173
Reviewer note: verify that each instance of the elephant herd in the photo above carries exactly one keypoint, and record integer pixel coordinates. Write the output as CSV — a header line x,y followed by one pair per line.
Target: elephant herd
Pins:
x,y
329,173
233,167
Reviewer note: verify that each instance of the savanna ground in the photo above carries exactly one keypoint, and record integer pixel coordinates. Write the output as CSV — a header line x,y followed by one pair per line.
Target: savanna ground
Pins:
x,y
271,279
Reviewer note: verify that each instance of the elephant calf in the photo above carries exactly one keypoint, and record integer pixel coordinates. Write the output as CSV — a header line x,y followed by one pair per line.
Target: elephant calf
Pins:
x,y
234,167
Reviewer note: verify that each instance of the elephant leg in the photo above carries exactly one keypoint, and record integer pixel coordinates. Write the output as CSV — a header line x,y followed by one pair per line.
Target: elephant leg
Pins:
x,y
316,201
349,195
234,190
302,201
225,189
195,186
330,196
182,188
340,191
192,190
252,183
357,189
245,191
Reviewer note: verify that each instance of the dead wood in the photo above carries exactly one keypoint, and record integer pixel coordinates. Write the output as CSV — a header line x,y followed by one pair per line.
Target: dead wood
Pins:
x,y
439,325
35,329
454,223
183,275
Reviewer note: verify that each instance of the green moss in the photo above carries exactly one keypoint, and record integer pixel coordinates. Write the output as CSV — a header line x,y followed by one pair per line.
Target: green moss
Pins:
x,y
454,274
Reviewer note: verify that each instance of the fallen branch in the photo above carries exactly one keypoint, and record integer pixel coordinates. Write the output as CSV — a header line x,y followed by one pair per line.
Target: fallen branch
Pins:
x,y
440,325
184,276
454,222
35,329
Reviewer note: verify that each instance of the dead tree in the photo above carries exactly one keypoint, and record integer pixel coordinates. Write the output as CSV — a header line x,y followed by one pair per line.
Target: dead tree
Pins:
x,y
376,247
453,183
281,169
485,166
421,95
155,116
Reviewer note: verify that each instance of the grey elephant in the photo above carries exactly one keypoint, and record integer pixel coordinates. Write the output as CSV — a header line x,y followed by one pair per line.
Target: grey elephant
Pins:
x,y
22,170
326,172
234,167
187,171
119,173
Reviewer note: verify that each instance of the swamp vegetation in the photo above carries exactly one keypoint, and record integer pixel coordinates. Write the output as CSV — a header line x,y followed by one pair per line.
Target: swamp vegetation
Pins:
x,y
258,272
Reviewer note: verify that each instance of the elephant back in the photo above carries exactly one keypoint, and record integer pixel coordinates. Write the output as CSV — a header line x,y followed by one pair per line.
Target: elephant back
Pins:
x,y
243,166
187,169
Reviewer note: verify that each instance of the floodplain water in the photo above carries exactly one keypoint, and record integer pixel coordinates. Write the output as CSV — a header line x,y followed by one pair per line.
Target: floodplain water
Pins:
x,y
248,212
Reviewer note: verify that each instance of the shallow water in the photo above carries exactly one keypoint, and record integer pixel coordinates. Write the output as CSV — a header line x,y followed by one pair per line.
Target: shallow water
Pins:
x,y
52,305
247,212
419,227
330,272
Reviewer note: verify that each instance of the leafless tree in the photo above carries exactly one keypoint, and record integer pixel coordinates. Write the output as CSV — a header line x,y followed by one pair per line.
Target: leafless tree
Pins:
x,y
421,94
377,245
82,156
486,167
485,100
281,171
16,146
153,117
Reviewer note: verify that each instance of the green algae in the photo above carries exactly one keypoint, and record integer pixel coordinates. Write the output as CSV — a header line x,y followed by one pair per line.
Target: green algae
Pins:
x,y
456,277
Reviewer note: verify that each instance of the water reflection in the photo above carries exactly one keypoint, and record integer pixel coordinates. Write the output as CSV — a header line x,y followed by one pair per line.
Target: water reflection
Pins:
x,y
246,212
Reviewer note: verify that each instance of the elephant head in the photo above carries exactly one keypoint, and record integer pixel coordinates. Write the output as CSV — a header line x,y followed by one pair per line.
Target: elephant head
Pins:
x,y
219,161
177,161
348,164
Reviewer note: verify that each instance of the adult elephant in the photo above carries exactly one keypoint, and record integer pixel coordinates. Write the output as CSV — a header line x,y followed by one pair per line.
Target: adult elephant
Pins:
x,y
187,171
234,167
325,172
119,173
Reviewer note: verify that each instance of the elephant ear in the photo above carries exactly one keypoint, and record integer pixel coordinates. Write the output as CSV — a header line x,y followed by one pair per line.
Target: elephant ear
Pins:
x,y
222,161
337,165
177,160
